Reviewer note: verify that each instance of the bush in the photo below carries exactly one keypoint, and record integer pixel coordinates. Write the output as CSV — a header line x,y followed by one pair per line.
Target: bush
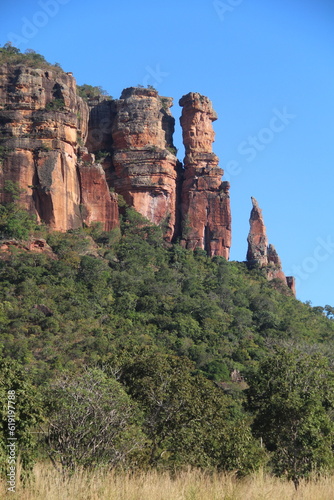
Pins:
x,y
15,221
12,55
91,421
89,91
55,105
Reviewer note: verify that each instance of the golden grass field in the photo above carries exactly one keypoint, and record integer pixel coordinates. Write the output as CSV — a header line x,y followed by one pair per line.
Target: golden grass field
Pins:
x,y
189,485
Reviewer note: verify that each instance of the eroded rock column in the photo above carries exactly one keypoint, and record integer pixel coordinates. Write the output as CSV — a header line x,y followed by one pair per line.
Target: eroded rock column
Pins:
x,y
206,214
257,253
144,161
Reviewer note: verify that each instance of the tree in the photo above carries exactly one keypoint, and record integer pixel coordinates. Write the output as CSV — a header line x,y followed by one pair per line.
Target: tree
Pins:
x,y
89,91
91,421
22,404
15,221
188,419
291,396
9,47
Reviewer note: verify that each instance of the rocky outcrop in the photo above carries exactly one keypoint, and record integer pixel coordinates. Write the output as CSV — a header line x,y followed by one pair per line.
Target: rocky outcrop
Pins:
x,y
32,245
71,160
291,282
41,122
145,167
262,255
205,205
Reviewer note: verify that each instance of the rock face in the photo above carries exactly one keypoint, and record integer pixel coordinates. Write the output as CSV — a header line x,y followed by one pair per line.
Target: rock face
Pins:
x,y
205,208
101,119
42,124
260,253
145,168
99,204
41,120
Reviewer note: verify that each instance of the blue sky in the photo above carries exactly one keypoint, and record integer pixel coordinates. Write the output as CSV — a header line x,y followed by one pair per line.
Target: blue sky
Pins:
x,y
268,67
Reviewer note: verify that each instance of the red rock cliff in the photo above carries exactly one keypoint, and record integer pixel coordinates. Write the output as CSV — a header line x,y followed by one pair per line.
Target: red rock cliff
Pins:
x,y
144,164
42,124
205,208
98,203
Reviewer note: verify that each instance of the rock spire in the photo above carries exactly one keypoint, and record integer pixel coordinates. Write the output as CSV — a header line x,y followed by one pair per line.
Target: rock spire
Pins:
x,y
260,253
145,168
205,201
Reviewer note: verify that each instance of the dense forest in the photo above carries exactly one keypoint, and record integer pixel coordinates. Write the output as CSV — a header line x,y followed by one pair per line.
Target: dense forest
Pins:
x,y
128,351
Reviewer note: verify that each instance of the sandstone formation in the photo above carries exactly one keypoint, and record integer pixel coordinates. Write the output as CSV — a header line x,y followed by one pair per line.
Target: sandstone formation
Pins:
x,y
145,167
41,120
71,159
257,253
99,204
205,208
260,253
101,118
42,124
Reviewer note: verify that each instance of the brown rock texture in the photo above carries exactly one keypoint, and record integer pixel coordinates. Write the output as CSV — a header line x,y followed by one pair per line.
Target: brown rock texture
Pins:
x,y
260,253
101,118
99,204
145,168
41,122
274,269
205,206
257,253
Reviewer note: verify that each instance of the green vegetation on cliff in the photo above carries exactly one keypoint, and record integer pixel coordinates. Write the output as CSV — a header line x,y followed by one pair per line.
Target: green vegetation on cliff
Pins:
x,y
158,330
12,55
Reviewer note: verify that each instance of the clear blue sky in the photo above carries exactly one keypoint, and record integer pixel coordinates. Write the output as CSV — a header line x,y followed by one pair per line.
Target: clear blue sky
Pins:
x,y
268,67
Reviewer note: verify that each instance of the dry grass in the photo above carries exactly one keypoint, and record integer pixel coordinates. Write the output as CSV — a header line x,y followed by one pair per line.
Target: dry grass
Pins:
x,y
191,485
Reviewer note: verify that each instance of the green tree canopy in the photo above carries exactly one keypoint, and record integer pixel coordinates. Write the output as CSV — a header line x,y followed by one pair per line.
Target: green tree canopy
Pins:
x,y
27,406
188,419
292,396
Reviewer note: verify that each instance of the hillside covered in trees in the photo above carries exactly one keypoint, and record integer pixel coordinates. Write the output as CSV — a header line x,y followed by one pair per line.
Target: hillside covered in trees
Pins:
x,y
168,357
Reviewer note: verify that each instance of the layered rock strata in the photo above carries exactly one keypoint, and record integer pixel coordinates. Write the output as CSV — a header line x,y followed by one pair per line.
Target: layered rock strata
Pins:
x,y
205,208
65,155
145,168
261,254
41,121
42,125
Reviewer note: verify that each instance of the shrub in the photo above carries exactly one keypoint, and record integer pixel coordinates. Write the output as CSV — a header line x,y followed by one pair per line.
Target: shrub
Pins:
x,y
91,421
